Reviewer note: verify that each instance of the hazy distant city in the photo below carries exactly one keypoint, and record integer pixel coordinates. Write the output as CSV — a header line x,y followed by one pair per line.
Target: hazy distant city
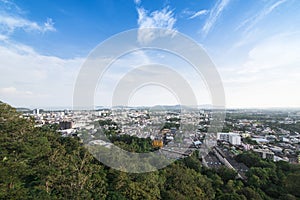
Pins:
x,y
272,134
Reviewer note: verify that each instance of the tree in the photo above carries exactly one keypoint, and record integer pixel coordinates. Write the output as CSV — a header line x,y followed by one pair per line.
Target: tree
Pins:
x,y
292,183
226,174
191,185
250,194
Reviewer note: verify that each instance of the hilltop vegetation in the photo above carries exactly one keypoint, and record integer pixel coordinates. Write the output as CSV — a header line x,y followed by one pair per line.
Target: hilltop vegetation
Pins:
x,y
37,163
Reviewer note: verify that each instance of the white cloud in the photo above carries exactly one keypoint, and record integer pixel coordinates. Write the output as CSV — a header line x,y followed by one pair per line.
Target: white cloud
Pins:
x,y
214,14
278,51
49,25
249,23
13,18
199,13
10,6
3,37
9,24
157,19
268,77
29,78
137,2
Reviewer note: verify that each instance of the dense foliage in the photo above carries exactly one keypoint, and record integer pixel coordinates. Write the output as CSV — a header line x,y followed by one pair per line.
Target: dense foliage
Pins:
x,y
37,163
132,143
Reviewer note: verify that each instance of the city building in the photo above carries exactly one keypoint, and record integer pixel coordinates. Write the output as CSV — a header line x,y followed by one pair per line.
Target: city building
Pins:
x,y
232,138
65,125
264,153
36,111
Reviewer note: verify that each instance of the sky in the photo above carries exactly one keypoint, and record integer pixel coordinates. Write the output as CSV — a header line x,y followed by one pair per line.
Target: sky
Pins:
x,y
255,46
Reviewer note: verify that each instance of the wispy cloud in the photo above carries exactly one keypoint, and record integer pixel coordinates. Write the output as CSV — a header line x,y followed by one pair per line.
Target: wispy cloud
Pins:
x,y
137,2
270,71
214,14
3,37
49,25
279,51
9,5
249,23
9,24
13,18
157,19
199,13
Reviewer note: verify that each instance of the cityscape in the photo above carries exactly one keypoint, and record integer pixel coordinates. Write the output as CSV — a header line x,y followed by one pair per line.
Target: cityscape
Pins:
x,y
150,100
271,134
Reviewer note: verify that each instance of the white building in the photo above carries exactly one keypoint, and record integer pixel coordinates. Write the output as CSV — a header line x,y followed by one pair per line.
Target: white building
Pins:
x,y
232,138
36,111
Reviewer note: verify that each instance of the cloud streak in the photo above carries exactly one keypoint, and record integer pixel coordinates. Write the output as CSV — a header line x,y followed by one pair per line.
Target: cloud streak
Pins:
x,y
199,13
249,23
214,14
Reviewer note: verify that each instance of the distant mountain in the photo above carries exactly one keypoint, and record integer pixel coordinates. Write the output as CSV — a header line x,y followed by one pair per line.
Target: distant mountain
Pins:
x,y
162,107
23,109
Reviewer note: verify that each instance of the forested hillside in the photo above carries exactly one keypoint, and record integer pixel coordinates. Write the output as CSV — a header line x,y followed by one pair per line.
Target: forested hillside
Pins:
x,y
37,163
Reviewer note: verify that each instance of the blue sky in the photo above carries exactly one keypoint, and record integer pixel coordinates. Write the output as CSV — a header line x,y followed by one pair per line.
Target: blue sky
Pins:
x,y
255,46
